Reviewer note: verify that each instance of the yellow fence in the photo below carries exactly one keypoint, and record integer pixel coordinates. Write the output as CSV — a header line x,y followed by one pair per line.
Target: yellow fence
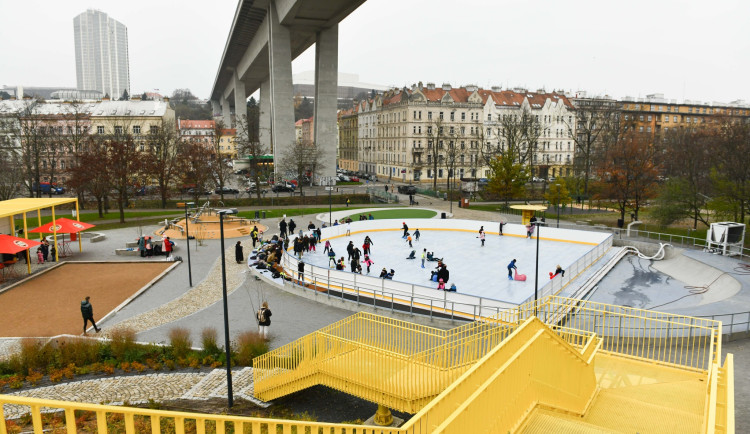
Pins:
x,y
674,340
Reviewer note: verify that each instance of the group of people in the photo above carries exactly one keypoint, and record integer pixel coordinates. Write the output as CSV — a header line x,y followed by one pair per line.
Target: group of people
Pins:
x,y
147,247
44,251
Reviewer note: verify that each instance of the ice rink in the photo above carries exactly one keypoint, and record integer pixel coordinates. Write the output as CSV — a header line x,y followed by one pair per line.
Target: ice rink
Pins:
x,y
476,270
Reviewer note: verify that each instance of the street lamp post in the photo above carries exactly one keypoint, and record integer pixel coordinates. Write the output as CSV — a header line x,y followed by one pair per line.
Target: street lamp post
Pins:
x,y
187,241
230,397
536,273
330,189
557,201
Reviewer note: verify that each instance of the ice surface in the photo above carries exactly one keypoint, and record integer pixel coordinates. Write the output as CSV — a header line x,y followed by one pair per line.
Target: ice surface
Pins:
x,y
476,270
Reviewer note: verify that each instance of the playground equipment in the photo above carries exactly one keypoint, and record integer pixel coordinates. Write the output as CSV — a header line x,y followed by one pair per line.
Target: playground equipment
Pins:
x,y
203,223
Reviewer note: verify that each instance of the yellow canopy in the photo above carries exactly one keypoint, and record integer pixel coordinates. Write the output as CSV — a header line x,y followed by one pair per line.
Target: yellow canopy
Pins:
x,y
528,211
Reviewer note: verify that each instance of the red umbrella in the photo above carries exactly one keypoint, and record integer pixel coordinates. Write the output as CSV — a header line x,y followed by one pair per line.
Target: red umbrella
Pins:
x,y
13,245
63,226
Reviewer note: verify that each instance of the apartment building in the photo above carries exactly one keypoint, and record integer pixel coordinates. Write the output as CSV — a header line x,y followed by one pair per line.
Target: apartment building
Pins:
x,y
347,139
199,131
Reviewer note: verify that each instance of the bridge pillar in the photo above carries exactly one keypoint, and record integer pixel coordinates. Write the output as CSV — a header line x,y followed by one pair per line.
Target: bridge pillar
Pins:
x,y
240,100
226,114
265,116
281,92
215,108
326,98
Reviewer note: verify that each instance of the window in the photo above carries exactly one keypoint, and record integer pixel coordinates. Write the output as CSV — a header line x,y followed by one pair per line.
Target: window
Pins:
x,y
441,116
675,118
429,118
641,118
154,129
453,116
100,129
649,118
640,129
136,129
463,116
118,130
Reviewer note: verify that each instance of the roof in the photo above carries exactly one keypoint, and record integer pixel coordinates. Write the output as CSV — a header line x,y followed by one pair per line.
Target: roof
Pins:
x,y
229,132
24,205
131,108
197,124
97,108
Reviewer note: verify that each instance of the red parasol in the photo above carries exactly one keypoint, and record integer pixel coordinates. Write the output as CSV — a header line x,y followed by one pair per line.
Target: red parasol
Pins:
x,y
63,226
12,245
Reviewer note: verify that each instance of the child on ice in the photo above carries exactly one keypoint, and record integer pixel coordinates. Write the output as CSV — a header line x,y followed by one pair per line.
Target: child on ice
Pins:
x,y
511,267
368,262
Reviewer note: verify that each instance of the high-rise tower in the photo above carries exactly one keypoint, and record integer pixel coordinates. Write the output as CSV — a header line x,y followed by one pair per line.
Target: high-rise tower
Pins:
x,y
101,53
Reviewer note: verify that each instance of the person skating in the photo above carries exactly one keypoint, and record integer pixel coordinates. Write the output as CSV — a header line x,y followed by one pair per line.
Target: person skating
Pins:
x,y
501,224
406,230
416,235
511,267
356,254
264,320
350,250
87,311
353,264
311,226
529,230
481,237
424,255
331,259
327,247
383,273
340,265
558,270
408,239
368,263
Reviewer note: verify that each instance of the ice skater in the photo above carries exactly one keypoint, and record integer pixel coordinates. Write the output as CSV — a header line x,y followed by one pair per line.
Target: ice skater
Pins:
x,y
350,250
327,247
481,237
331,259
529,230
406,230
368,262
502,223
511,267
558,270
424,254
348,228
408,239
416,235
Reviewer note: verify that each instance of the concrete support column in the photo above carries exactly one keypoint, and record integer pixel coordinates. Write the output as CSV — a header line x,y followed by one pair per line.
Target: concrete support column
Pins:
x,y
326,98
281,92
226,113
215,108
265,116
240,101
240,107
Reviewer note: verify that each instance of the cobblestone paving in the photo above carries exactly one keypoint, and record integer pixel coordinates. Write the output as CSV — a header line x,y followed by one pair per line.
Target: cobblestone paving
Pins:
x,y
138,389
201,296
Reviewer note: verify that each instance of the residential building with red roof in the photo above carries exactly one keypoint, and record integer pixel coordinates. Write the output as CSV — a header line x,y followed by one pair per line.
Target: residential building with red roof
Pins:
x,y
201,131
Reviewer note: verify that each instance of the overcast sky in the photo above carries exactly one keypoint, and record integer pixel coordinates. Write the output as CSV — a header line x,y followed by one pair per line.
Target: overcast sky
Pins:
x,y
683,49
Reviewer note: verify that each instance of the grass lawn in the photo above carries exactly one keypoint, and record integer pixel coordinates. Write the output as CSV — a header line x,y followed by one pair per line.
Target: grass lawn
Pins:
x,y
405,213
290,212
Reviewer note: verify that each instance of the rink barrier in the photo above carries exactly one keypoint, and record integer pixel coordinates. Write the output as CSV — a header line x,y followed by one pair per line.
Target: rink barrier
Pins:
x,y
383,292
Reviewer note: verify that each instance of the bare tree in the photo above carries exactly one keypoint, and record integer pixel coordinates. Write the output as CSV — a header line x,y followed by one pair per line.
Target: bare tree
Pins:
x,y
162,151
590,130
435,138
194,167
91,173
29,126
301,160
11,174
249,145
220,162
731,175
77,119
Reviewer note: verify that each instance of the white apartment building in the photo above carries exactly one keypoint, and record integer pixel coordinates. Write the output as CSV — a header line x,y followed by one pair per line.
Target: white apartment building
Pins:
x,y
102,61
367,136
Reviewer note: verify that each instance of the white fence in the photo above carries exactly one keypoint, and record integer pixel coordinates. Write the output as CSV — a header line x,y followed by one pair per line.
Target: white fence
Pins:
x,y
421,299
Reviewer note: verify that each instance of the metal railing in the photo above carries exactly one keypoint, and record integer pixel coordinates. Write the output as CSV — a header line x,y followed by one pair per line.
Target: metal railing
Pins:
x,y
732,323
573,271
381,195
656,337
392,294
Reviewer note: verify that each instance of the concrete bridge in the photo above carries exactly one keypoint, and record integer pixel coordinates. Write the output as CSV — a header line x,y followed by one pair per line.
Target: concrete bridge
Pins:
x,y
266,35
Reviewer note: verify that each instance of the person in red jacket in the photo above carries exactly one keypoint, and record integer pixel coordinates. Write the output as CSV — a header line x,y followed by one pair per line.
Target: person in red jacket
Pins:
x,y
168,244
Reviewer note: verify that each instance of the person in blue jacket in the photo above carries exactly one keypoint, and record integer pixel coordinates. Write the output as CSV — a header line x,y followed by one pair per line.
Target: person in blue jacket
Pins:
x,y
511,267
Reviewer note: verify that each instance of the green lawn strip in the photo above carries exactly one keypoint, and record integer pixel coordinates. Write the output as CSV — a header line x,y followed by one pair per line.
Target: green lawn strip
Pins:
x,y
290,212
404,213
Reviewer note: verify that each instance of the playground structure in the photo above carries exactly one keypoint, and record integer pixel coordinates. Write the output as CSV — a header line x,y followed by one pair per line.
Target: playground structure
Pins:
x,y
203,223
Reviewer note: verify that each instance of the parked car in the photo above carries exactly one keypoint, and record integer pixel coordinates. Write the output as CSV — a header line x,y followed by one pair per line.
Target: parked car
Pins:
x,y
279,188
354,179
47,188
552,179
226,190
407,189
193,191
344,178
537,179
254,190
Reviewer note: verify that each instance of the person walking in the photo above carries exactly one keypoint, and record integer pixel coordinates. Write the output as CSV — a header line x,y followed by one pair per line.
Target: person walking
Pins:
x,y
424,253
291,226
282,228
511,267
238,253
300,271
87,311
349,250
347,202
264,320
254,235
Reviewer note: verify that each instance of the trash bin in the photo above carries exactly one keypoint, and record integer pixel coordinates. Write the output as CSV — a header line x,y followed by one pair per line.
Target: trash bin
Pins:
x,y
620,223
264,214
442,215
464,202
257,214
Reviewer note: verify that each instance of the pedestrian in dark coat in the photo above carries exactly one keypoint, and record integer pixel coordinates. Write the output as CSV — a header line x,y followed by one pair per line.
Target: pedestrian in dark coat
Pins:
x,y
264,320
282,228
406,229
87,311
238,254
292,225
350,250
443,273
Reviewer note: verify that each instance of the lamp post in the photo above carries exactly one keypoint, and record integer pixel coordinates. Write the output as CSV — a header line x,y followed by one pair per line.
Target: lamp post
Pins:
x,y
230,397
330,183
187,241
536,272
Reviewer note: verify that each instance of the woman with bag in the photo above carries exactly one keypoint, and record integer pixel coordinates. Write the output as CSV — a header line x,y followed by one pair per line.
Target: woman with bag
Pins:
x,y
264,320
